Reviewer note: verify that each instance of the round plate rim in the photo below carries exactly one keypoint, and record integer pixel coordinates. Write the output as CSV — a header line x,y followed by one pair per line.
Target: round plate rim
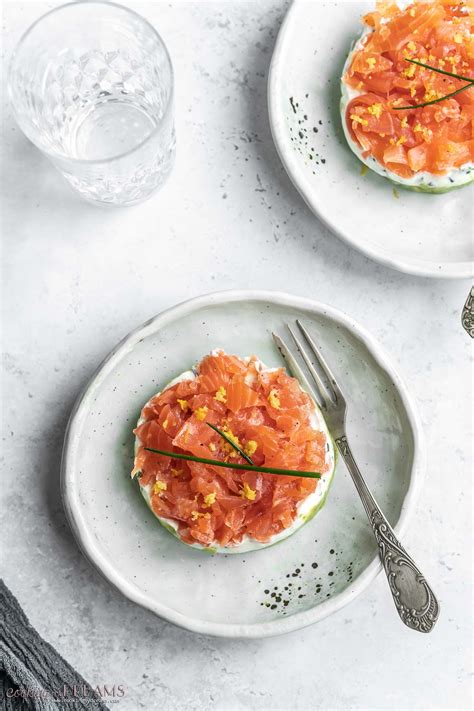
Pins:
x,y
118,580
416,267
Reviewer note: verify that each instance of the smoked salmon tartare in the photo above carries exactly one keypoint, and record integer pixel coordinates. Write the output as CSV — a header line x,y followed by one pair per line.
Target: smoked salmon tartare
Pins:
x,y
394,114
261,411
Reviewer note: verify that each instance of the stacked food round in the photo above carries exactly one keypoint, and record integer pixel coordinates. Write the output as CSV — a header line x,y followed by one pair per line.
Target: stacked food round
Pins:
x,y
428,145
270,418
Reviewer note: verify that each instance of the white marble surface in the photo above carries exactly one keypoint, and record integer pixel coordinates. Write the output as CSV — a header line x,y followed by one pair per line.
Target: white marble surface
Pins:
x,y
77,278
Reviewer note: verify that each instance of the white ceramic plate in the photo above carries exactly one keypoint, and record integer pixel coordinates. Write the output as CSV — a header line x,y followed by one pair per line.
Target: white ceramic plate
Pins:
x,y
427,235
317,570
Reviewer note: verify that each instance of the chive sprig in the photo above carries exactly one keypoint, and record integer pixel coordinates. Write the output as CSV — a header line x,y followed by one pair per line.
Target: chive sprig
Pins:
x,y
233,465
469,80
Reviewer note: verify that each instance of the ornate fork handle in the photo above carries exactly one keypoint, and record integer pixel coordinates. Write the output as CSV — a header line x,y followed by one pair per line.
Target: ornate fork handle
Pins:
x,y
414,599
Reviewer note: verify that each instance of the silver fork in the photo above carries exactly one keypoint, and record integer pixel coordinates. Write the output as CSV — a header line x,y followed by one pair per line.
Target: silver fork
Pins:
x,y
414,599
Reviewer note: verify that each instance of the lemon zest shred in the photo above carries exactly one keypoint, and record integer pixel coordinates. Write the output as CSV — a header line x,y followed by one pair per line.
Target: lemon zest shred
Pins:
x,y
359,119
430,95
251,447
228,447
273,399
209,499
247,493
221,394
375,110
197,514
159,487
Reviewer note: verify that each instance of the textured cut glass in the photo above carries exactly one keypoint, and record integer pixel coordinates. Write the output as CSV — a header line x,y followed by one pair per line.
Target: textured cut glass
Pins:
x,y
91,85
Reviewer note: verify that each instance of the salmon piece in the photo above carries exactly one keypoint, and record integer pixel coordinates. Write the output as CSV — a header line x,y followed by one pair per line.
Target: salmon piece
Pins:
x,y
162,508
154,407
395,154
371,63
178,489
224,535
235,518
262,527
195,435
269,440
267,414
208,401
231,480
183,509
153,434
216,370
240,395
417,157
186,388
283,513
170,396
248,421
291,418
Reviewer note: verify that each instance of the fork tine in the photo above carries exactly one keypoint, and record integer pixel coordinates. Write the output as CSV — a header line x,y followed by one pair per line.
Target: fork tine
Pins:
x,y
321,389
321,362
295,369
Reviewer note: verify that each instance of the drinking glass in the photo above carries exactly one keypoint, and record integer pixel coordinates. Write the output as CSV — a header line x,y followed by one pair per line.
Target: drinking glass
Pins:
x,y
91,85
